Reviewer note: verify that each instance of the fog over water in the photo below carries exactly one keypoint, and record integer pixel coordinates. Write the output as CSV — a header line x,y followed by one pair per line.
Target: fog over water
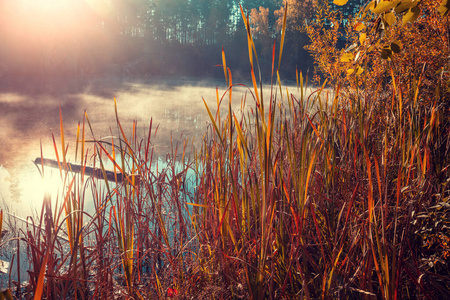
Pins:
x,y
30,115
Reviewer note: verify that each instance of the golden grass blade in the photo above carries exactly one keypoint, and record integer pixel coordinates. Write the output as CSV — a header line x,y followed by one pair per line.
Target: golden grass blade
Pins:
x,y
335,261
218,105
377,268
198,205
247,27
116,165
377,172
213,122
125,241
301,87
283,32
159,287
224,64
315,129
113,150
57,156
251,49
78,141
70,224
40,284
240,134
6,295
279,85
123,133
316,225
255,88
370,191
269,135
308,176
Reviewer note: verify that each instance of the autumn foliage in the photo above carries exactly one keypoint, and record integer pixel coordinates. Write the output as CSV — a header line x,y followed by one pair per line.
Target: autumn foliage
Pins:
x,y
412,44
388,65
340,191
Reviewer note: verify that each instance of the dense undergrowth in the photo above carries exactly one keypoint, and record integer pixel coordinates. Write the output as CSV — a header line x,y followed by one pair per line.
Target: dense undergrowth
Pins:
x,y
306,195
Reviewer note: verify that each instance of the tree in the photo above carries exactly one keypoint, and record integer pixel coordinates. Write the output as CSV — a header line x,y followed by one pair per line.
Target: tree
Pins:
x,y
393,75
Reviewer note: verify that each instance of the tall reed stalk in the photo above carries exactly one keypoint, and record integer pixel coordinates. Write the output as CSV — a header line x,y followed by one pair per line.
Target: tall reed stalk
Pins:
x,y
324,193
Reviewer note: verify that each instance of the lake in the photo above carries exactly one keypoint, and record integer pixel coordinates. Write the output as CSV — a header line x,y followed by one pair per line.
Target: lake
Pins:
x,y
30,115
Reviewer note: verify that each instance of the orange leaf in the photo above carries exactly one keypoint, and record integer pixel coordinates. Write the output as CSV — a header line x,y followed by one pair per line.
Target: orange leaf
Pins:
x,y
40,284
360,26
340,2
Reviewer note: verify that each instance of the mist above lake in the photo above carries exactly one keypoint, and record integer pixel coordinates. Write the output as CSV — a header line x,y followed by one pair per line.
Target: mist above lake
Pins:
x,y
30,115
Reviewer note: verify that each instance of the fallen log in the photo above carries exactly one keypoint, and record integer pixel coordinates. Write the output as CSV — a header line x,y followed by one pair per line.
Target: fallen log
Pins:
x,y
94,172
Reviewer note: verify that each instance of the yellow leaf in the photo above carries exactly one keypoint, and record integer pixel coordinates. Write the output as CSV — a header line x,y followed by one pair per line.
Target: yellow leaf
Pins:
x,y
362,37
370,6
384,6
444,8
360,26
350,72
389,18
412,15
346,57
404,5
340,2
359,70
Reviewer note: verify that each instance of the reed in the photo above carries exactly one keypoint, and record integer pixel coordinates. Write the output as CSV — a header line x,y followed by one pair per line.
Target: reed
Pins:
x,y
322,193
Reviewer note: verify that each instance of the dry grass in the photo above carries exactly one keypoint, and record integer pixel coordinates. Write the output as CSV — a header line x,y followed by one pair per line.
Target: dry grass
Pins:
x,y
309,197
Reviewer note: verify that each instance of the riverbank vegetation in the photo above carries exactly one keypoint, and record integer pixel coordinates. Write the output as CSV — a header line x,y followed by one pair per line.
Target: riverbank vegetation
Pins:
x,y
335,192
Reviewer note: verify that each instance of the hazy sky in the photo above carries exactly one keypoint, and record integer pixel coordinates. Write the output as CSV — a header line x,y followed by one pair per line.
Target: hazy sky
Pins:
x,y
44,36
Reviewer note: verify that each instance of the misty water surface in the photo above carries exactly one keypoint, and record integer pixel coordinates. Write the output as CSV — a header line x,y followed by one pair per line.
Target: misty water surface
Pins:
x,y
30,115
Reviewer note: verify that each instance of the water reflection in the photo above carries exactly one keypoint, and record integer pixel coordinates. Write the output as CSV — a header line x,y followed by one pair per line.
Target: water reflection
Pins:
x,y
28,119
23,192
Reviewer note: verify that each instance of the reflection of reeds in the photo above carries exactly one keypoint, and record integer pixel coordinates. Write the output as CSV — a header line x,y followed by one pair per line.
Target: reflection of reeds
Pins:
x,y
309,197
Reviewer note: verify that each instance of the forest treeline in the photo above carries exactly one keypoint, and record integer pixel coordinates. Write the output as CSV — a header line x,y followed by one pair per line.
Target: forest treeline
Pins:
x,y
146,37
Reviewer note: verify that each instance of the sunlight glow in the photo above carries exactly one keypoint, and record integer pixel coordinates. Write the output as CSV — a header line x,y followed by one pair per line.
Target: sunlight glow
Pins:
x,y
52,36
101,7
35,188
50,183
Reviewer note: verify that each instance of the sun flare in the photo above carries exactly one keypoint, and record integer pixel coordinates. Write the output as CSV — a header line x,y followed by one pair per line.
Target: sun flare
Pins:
x,y
53,36
39,185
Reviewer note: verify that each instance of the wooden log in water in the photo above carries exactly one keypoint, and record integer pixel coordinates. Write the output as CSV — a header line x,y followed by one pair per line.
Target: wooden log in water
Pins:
x,y
94,172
